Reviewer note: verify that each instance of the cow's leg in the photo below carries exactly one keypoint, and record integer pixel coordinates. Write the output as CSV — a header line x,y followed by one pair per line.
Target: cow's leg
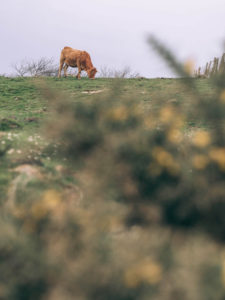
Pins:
x,y
79,69
60,66
65,70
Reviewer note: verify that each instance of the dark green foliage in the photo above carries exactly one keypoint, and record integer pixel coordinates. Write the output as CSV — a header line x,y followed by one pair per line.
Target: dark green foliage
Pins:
x,y
6,124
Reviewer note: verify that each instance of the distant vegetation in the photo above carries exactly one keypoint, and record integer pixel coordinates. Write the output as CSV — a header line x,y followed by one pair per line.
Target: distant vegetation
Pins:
x,y
126,72
47,67
41,67
212,68
113,188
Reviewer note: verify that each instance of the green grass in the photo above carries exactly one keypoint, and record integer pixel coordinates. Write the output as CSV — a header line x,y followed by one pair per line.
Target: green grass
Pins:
x,y
22,103
23,109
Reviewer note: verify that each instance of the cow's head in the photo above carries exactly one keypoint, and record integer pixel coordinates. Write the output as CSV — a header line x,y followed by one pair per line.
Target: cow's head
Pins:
x,y
91,72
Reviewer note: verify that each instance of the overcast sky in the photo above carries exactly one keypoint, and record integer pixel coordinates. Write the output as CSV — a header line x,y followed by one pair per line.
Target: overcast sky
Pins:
x,y
114,32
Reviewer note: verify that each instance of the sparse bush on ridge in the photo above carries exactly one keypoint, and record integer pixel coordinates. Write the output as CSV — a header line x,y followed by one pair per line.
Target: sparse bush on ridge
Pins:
x,y
41,67
126,72
147,218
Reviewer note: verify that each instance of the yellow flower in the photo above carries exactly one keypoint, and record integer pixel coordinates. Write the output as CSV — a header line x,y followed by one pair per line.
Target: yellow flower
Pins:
x,y
174,136
161,156
166,114
166,160
169,114
218,155
201,139
222,96
200,161
50,201
119,113
189,66
147,271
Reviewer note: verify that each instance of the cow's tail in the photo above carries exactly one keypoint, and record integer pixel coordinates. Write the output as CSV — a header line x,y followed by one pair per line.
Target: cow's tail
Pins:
x,y
62,58
61,63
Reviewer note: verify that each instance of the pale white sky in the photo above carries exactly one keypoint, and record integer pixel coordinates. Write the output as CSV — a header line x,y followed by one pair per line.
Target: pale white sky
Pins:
x,y
114,32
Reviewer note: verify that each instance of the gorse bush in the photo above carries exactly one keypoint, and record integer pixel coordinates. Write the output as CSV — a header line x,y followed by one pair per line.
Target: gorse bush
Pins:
x,y
146,217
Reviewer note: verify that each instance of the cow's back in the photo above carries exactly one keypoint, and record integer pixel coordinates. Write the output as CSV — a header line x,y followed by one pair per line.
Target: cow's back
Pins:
x,y
70,52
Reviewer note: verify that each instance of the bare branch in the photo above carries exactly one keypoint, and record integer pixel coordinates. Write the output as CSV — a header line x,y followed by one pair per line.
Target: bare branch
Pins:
x,y
41,67
126,72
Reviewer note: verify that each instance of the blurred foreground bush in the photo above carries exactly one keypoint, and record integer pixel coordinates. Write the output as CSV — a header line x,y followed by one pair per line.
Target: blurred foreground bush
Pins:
x,y
148,221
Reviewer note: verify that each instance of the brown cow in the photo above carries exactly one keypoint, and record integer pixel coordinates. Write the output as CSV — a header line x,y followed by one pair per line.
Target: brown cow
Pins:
x,y
76,58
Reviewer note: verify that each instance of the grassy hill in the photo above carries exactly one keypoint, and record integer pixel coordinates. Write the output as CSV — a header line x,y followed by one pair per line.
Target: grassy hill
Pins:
x,y
112,189
24,110
21,98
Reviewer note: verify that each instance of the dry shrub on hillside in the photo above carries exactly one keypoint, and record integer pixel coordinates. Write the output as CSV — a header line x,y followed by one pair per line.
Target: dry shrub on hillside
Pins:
x,y
40,67
125,72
